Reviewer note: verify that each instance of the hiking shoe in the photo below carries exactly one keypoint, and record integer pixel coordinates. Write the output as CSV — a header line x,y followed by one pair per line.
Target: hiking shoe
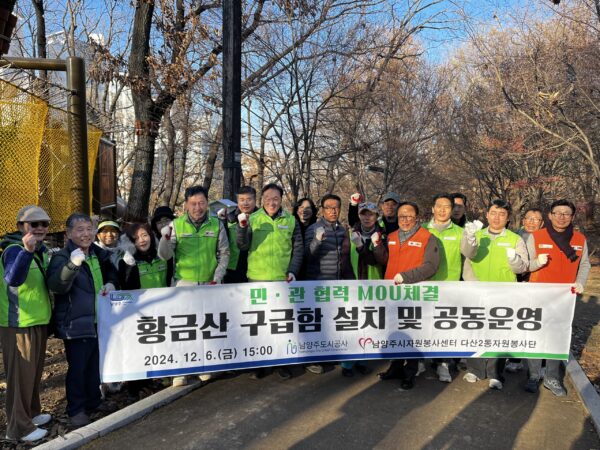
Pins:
x,y
257,374
471,378
443,373
514,367
392,372
180,381
532,385
35,435
317,369
347,372
495,384
362,369
555,387
284,373
420,368
41,419
79,420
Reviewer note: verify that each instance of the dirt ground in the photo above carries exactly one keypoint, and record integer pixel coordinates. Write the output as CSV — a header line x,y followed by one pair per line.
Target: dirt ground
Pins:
x,y
585,345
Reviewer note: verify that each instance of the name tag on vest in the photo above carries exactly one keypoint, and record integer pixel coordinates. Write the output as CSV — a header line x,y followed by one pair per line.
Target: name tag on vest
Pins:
x,y
503,244
545,246
186,234
414,244
449,238
209,233
578,248
282,227
391,242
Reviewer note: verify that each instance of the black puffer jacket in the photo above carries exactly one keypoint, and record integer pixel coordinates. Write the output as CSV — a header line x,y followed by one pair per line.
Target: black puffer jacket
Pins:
x,y
74,313
328,259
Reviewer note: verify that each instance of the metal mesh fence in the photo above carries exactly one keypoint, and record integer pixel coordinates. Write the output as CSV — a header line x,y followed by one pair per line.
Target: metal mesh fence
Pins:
x,y
35,158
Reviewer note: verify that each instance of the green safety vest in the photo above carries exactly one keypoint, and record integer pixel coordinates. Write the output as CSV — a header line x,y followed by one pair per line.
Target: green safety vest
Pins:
x,y
234,251
28,304
373,272
94,265
196,250
271,247
450,266
153,274
490,263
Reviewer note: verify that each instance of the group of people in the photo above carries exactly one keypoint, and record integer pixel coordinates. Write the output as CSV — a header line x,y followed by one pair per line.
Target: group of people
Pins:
x,y
259,244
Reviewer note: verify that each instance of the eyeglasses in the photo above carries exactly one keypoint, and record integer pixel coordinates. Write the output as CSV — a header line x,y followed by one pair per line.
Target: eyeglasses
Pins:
x,y
562,215
406,218
43,224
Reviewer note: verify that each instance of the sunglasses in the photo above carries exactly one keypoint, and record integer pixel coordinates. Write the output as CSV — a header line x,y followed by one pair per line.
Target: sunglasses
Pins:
x,y
43,224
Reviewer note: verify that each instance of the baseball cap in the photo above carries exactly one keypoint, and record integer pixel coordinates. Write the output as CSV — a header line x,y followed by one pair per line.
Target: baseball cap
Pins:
x,y
108,223
32,213
391,196
367,206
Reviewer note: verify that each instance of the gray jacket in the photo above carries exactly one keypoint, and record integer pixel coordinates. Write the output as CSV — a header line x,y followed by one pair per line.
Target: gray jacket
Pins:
x,y
328,259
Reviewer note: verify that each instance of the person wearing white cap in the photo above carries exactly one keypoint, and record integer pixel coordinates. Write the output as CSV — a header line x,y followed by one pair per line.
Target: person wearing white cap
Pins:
x,y
389,208
108,235
24,316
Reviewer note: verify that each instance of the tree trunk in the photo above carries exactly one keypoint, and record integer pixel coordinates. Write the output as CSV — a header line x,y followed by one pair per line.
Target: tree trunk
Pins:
x,y
170,162
212,158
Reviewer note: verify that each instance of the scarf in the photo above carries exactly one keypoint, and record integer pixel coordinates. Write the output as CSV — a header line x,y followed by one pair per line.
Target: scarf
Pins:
x,y
406,235
563,240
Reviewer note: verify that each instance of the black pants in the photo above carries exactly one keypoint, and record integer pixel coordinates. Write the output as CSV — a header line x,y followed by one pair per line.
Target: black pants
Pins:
x,y
83,375
405,371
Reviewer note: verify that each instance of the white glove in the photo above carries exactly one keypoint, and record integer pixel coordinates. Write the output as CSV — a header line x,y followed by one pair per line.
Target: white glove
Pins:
x,y
243,220
473,227
398,279
166,232
222,214
291,277
129,259
77,257
356,198
108,287
320,234
29,242
376,238
577,288
356,239
511,254
542,259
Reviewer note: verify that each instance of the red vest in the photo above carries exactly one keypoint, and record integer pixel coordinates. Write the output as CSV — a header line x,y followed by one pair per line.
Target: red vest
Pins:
x,y
559,269
406,256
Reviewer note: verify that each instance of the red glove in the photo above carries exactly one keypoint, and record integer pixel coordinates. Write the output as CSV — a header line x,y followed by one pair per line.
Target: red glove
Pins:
x,y
356,198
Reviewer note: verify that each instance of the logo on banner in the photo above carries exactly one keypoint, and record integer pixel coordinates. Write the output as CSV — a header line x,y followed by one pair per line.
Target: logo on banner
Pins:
x,y
120,298
291,348
364,341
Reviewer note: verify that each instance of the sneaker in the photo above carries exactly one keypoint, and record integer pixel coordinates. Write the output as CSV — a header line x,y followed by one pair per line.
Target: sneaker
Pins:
x,y
347,372
284,373
35,435
41,419
532,385
514,367
555,387
471,378
495,384
180,381
443,373
363,370
420,368
79,420
315,368
205,377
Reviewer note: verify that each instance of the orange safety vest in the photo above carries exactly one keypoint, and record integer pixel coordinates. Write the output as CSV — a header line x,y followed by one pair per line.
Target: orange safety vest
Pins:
x,y
559,269
406,256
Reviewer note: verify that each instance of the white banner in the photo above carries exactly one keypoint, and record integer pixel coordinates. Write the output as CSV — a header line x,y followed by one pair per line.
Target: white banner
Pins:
x,y
177,331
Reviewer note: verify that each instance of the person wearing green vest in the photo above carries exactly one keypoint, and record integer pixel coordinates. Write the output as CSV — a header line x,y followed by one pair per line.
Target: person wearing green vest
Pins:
x,y
368,256
78,276
24,316
197,241
200,248
452,249
238,259
500,255
273,240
